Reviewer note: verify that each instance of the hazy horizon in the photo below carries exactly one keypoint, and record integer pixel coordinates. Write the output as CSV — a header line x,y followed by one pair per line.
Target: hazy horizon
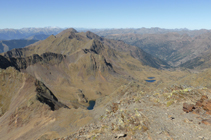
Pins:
x,y
95,14
103,28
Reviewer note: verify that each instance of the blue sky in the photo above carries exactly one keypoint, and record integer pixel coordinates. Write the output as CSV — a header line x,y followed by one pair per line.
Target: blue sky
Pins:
x,y
170,14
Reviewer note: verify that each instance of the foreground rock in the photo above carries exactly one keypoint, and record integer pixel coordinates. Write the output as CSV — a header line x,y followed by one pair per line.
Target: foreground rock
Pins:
x,y
203,103
188,107
202,106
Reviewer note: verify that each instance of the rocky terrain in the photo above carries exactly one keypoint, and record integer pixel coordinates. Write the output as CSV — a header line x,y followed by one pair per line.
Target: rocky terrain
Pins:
x,y
46,88
161,114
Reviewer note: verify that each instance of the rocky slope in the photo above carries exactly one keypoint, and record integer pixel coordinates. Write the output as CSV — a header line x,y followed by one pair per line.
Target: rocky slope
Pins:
x,y
26,104
160,114
198,63
45,88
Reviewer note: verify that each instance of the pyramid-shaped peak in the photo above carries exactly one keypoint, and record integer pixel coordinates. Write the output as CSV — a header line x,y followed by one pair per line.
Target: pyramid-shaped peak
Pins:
x,y
71,30
67,31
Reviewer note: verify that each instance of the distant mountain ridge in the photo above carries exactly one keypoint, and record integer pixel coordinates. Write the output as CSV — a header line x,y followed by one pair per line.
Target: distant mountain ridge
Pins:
x,y
172,47
7,34
155,30
6,45
38,37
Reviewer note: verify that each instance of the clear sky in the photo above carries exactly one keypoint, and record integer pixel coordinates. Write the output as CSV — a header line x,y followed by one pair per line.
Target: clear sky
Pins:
x,y
170,14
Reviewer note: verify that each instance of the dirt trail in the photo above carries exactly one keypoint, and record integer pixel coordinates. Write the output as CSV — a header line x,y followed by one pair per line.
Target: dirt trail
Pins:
x,y
15,101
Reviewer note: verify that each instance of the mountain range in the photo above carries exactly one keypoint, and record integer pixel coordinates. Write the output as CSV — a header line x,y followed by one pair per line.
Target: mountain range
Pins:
x,y
46,87
174,48
6,45
155,30
57,77
8,34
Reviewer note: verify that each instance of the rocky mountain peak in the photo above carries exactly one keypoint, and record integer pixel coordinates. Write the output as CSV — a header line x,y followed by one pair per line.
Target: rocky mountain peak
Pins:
x,y
97,46
69,31
91,35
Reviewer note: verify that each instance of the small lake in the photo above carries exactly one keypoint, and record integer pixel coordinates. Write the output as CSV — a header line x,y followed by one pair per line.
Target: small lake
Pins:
x,y
91,105
150,79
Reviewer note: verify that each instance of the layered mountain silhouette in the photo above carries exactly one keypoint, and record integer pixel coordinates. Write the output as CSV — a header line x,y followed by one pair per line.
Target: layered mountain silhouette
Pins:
x,y
153,30
24,33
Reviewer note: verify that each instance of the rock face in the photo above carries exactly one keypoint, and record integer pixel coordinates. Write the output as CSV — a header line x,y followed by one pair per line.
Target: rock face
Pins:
x,y
91,35
24,62
4,63
188,107
15,53
203,103
44,95
201,107
81,97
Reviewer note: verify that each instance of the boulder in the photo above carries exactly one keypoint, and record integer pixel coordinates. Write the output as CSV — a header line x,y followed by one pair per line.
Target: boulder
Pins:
x,y
206,104
188,107
81,97
206,121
